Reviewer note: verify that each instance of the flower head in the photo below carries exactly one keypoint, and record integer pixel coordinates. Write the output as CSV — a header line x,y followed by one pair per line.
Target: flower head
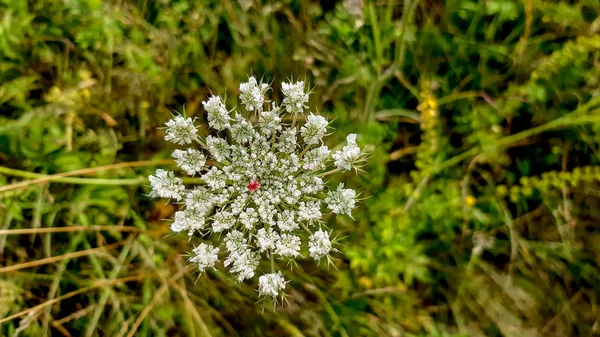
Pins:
x,y
349,155
342,200
319,244
271,284
181,130
266,239
191,160
205,256
260,184
295,98
189,219
288,245
253,94
314,129
166,185
218,117
269,121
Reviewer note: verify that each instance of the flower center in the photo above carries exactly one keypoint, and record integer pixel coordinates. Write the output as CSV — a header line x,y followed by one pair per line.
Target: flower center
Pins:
x,y
254,185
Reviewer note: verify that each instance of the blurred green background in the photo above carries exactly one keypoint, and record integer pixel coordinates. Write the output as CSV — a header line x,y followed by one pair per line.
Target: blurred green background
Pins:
x,y
482,206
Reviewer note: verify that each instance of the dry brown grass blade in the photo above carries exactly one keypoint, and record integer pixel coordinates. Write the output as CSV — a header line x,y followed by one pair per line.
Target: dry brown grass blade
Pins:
x,y
61,329
403,152
60,257
76,315
189,304
155,300
68,229
91,170
73,293
192,309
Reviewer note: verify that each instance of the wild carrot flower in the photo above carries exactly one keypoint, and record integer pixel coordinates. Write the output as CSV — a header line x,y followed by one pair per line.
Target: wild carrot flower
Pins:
x,y
319,244
260,183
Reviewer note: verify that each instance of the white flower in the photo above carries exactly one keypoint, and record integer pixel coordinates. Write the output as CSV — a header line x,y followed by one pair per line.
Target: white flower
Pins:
x,y
311,184
341,201
188,219
223,220
235,242
269,121
295,97
238,204
265,239
218,148
218,117
253,94
200,199
181,130
348,155
191,160
314,129
260,185
248,218
244,264
309,211
287,141
242,130
271,284
319,244
315,158
205,256
215,178
166,185
286,221
288,245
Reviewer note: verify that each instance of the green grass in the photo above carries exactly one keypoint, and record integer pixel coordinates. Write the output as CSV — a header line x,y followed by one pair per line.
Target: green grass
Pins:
x,y
482,194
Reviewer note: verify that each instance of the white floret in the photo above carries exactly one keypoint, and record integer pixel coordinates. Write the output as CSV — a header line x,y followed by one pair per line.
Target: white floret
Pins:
x,y
286,221
315,159
269,121
342,200
218,148
191,160
166,185
271,284
243,264
348,155
266,239
248,218
319,244
295,98
286,142
218,116
191,220
205,256
315,128
215,178
200,199
223,220
181,130
309,211
252,94
242,130
288,245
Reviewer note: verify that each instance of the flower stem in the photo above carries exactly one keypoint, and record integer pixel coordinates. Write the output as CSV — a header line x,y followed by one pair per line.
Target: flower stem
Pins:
x,y
306,228
329,172
272,262
304,151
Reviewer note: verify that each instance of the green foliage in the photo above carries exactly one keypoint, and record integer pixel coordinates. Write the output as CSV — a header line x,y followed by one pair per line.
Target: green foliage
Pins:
x,y
481,199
